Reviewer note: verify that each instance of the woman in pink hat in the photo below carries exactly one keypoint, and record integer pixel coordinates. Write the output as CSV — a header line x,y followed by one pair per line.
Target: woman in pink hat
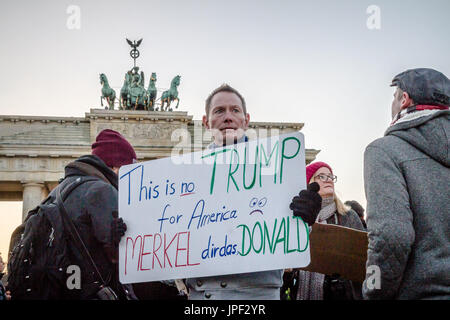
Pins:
x,y
332,206
317,286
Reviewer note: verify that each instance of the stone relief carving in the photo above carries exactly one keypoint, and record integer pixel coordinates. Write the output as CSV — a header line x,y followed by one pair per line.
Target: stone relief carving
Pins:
x,y
33,164
43,164
138,131
21,164
3,164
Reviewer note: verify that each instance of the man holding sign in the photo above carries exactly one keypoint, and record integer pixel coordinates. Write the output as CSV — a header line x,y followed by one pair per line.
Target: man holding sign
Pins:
x,y
226,116
223,220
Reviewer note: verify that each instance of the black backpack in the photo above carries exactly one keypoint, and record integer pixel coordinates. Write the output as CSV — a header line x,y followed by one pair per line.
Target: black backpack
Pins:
x,y
39,251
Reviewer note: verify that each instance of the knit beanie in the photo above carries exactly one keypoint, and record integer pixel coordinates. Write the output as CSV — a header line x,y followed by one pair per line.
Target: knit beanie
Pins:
x,y
113,149
313,167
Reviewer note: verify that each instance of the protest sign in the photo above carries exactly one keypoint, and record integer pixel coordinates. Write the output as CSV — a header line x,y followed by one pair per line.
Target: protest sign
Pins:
x,y
338,250
219,211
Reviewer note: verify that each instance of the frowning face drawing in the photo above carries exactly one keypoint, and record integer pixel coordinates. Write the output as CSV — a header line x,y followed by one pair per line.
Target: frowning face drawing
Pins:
x,y
257,205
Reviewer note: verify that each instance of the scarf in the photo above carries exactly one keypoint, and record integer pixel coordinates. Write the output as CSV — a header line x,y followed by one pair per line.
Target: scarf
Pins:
x,y
310,284
415,112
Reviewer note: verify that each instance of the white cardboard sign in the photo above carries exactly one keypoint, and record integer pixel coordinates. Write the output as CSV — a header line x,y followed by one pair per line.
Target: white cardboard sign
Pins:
x,y
218,211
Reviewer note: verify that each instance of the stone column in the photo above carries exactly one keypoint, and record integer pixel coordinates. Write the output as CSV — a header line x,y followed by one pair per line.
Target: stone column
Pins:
x,y
32,195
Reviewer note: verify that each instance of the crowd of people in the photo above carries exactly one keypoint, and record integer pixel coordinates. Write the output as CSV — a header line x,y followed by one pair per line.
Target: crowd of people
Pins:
x,y
406,175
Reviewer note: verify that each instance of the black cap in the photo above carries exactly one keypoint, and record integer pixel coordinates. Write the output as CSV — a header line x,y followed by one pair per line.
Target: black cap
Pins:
x,y
424,86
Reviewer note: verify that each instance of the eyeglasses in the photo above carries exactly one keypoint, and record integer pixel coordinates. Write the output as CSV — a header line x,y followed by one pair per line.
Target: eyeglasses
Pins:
x,y
326,177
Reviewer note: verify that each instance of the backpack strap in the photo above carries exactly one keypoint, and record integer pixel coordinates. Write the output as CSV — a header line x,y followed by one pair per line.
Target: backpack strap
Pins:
x,y
72,185
72,230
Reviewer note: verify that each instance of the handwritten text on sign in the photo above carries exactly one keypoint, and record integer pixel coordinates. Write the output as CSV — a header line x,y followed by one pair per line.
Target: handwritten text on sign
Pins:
x,y
229,214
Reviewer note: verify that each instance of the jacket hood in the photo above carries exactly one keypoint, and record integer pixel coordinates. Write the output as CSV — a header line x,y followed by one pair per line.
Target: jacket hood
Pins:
x,y
91,165
429,134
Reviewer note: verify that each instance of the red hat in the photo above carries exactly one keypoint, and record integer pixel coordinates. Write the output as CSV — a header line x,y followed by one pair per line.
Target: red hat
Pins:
x,y
313,167
113,149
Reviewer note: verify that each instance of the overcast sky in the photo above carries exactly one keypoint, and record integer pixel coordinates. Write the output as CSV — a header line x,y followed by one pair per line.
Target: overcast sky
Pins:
x,y
327,64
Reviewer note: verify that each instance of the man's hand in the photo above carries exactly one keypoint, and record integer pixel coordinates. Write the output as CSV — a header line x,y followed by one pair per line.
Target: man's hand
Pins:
x,y
307,204
118,228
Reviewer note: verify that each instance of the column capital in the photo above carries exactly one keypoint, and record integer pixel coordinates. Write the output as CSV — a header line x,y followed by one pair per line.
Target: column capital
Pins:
x,y
33,194
32,183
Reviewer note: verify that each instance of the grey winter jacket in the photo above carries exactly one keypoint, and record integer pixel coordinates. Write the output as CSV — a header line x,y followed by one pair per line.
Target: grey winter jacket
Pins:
x,y
407,185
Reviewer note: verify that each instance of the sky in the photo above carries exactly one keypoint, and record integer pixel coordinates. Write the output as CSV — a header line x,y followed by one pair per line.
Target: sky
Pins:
x,y
327,64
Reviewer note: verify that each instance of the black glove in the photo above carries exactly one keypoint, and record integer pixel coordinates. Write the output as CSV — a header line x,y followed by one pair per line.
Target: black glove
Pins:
x,y
118,228
307,204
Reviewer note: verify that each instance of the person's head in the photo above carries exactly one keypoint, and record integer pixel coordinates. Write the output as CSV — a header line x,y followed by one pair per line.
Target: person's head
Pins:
x,y
322,173
113,149
226,115
420,86
401,101
356,207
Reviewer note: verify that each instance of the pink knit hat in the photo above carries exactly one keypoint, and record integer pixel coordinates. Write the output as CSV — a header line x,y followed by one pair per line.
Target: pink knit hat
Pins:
x,y
113,149
313,167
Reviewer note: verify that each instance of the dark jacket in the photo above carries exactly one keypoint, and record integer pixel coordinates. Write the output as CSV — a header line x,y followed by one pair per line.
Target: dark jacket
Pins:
x,y
348,290
91,206
406,176
2,288
350,220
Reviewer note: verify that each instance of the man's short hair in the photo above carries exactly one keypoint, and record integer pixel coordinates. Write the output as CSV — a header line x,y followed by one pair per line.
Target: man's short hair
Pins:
x,y
224,87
